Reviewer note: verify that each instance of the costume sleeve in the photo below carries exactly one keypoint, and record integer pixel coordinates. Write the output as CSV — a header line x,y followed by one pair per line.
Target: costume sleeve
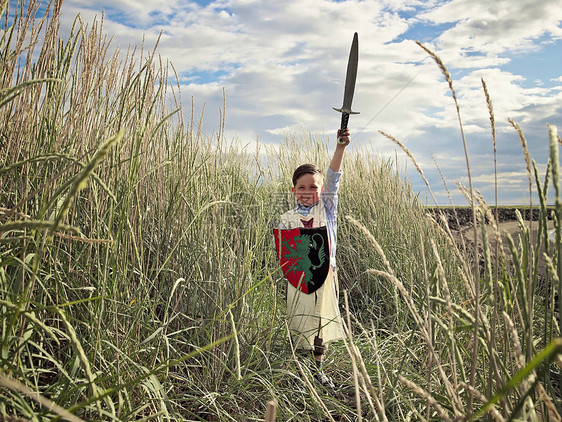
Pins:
x,y
330,192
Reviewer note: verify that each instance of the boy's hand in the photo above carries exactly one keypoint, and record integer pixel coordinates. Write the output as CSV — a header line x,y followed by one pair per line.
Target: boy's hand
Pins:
x,y
343,137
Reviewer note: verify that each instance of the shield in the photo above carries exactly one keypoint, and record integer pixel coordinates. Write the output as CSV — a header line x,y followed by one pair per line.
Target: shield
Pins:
x,y
304,255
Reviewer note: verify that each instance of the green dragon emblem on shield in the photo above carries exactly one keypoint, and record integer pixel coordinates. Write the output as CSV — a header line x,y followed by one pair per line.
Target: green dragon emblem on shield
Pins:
x,y
301,252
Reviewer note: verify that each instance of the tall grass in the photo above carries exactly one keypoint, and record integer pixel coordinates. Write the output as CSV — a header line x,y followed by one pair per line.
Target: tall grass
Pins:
x,y
118,257
138,279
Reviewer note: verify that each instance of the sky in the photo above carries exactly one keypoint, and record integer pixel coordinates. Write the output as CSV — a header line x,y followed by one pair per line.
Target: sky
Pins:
x,y
281,67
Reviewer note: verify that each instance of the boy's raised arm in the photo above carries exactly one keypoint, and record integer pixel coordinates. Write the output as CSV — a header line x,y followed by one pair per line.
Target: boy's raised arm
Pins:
x,y
335,164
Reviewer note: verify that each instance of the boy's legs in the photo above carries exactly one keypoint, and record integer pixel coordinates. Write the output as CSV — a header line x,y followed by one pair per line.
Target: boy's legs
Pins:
x,y
318,351
317,354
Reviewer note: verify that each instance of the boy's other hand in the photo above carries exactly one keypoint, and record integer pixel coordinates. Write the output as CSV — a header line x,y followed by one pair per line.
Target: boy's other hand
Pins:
x,y
344,137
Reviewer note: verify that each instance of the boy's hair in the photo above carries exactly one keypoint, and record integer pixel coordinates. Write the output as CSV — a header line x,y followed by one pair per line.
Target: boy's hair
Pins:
x,y
305,169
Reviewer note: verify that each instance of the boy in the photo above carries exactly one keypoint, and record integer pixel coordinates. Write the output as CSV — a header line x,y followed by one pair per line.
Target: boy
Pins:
x,y
314,319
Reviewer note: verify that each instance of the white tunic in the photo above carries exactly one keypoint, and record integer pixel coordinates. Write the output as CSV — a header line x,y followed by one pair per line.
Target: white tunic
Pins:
x,y
315,314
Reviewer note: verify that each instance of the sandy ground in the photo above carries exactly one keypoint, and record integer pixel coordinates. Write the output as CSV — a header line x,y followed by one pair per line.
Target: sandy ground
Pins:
x,y
514,229
511,227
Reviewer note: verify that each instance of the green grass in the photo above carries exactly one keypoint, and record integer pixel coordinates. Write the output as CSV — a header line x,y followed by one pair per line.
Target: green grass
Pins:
x,y
138,279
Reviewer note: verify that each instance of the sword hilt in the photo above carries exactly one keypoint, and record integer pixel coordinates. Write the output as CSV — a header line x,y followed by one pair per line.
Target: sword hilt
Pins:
x,y
344,121
343,126
345,113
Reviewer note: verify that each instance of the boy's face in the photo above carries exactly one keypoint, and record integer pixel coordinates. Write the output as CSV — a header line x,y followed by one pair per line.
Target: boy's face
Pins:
x,y
308,189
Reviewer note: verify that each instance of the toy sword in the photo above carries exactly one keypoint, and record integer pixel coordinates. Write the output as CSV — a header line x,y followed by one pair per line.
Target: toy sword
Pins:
x,y
345,110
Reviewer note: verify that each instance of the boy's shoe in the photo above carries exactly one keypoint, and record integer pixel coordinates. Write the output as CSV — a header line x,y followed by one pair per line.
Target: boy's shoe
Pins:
x,y
324,380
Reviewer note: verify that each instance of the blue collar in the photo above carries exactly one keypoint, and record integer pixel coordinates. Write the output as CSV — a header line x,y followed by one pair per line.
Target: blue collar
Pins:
x,y
305,210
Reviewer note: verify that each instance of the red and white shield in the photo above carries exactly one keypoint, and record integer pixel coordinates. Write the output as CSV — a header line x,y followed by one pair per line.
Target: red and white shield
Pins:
x,y
304,255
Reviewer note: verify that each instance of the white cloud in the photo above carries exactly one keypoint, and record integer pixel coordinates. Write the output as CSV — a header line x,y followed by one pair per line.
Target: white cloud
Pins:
x,y
491,28
282,65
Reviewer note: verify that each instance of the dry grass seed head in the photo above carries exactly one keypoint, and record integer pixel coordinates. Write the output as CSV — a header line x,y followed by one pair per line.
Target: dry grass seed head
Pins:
x,y
424,394
490,112
554,158
492,410
443,180
443,68
372,239
525,149
411,156
515,340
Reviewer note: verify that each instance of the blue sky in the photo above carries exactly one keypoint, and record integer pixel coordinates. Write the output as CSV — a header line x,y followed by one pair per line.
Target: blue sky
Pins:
x,y
282,64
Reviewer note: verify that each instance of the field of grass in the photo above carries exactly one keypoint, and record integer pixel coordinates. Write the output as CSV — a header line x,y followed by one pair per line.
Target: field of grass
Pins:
x,y
138,279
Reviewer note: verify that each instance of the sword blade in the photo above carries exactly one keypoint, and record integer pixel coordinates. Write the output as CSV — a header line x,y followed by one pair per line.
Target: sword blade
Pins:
x,y
350,78
351,75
